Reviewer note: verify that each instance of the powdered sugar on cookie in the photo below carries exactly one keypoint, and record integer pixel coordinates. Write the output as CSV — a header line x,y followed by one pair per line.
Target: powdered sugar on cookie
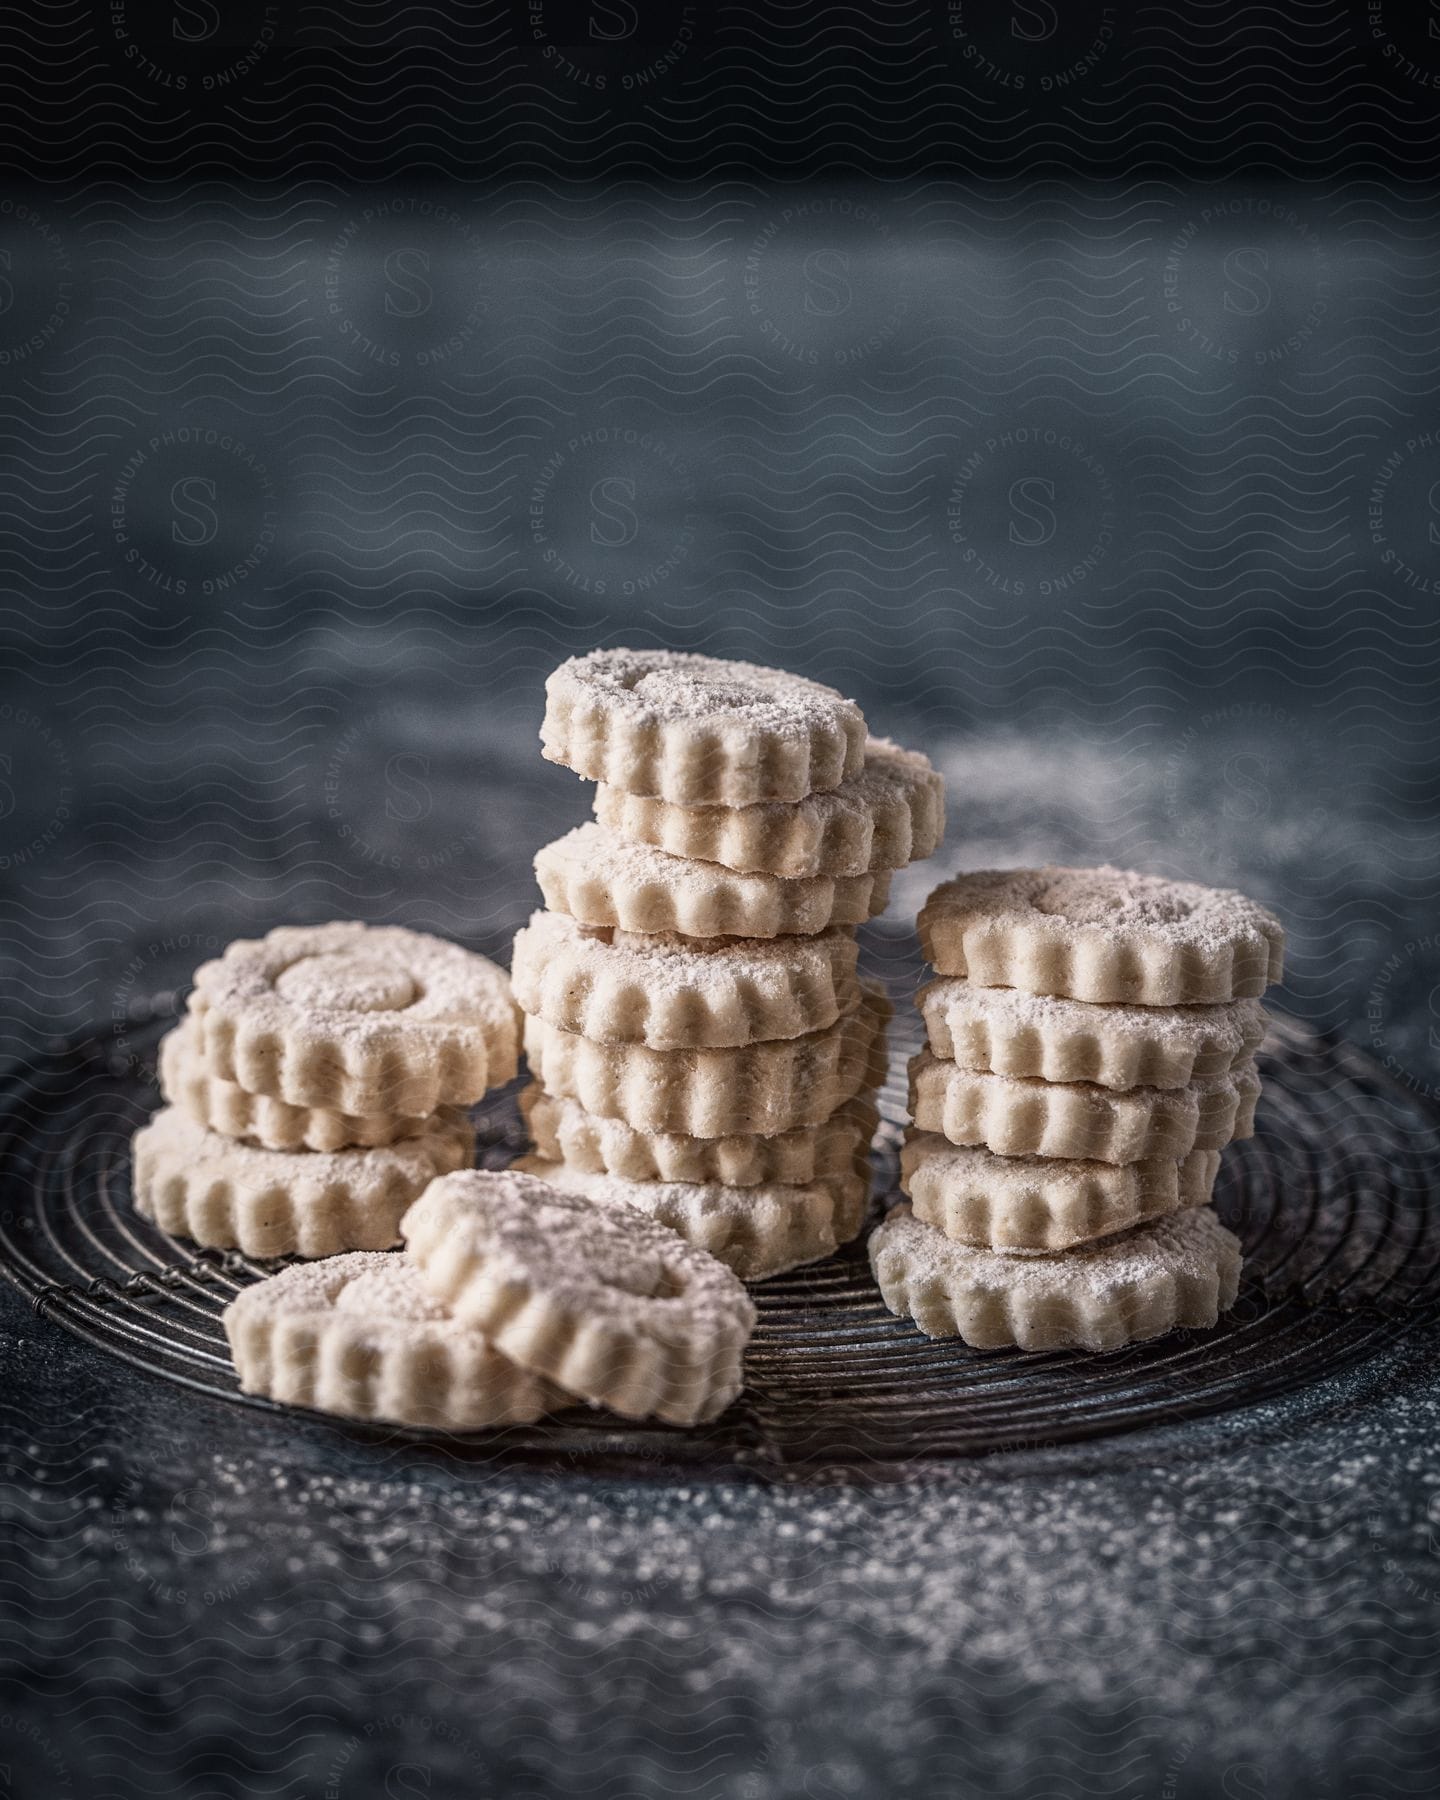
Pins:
x,y
600,878
614,1307
1011,1032
698,731
756,1231
228,1194
360,1335
889,814
677,993
357,1019
1102,935
1182,1270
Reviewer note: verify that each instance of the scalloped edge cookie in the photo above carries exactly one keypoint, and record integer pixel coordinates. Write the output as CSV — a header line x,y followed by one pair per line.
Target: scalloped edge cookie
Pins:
x,y
697,730
1103,935
890,814
599,878
1077,1119
1039,1204
563,1132
1040,1037
230,1195
755,1231
613,1307
186,1082
758,1089
357,1019
1179,1271
394,1354
677,993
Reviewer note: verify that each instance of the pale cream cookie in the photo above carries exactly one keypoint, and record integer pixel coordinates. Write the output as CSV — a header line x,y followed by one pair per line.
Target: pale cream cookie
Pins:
x,y
228,1194
888,815
602,879
1039,1036
697,731
1182,1270
563,1131
677,993
612,1306
757,1089
756,1231
187,1083
1102,934
357,1019
1078,1119
360,1335
1035,1203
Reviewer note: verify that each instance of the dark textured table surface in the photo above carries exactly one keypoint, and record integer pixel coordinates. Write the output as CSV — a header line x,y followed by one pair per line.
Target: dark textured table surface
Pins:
x,y
1063,389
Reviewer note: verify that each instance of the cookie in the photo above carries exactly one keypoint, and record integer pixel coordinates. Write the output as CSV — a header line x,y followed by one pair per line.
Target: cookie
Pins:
x,y
755,1231
361,1336
1078,1119
615,1308
757,1089
187,1083
1182,1270
1039,1037
697,731
356,1019
677,993
889,814
227,1194
1033,1203
563,1131
599,878
1103,935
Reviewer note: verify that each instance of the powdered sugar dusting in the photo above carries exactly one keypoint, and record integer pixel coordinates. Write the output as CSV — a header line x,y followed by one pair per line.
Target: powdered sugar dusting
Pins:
x,y
664,685
1120,903
1189,1244
382,1285
670,965
342,982
592,1260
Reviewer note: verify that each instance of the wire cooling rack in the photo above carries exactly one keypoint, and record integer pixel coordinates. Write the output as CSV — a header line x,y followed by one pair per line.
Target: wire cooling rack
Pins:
x,y
1332,1200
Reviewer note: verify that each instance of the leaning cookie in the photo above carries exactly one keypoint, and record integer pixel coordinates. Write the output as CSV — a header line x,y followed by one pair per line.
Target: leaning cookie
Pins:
x,y
360,1335
1103,935
1038,1203
227,1194
1182,1270
757,1089
357,1019
679,993
889,814
697,731
612,1306
563,1131
602,879
1040,1037
186,1082
756,1231
1078,1119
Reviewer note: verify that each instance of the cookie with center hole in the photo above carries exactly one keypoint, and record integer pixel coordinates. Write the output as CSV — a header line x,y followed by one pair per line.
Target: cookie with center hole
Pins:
x,y
699,731
1182,1270
613,1307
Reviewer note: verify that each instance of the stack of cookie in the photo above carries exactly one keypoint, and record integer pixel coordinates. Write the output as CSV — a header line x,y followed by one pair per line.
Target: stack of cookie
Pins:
x,y
1091,1050
701,1045
316,1088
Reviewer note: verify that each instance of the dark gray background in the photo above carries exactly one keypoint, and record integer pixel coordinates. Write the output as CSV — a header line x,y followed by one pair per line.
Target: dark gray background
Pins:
x,y
462,335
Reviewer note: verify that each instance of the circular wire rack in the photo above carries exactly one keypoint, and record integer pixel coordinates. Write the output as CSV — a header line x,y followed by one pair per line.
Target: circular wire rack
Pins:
x,y
1331,1199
